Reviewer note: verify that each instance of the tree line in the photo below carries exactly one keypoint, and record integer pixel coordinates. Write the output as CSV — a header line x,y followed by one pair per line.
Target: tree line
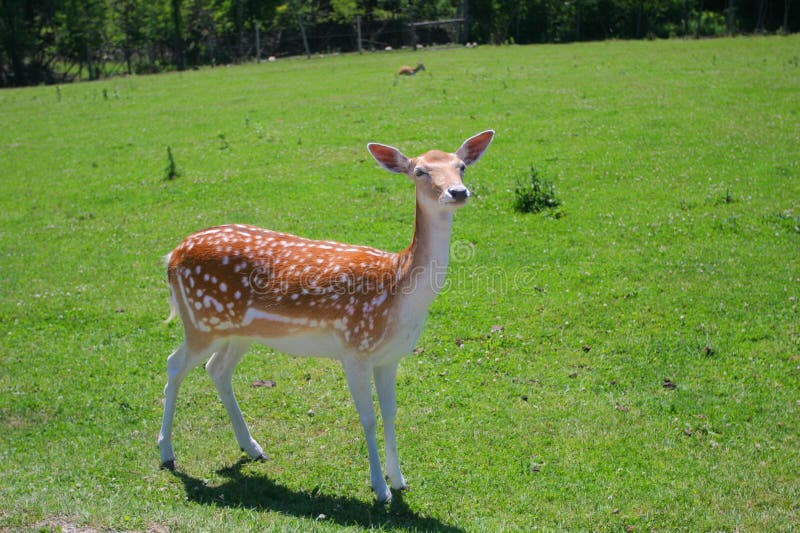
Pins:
x,y
53,41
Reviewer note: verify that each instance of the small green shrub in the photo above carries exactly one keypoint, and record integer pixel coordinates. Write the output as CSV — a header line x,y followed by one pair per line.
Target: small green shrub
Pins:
x,y
171,172
534,194
223,141
728,198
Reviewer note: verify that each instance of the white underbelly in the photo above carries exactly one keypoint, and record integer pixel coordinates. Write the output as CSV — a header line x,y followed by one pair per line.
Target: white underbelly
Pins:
x,y
336,341
331,344
308,344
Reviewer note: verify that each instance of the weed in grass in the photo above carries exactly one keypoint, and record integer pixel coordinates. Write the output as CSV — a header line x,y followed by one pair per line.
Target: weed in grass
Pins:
x,y
787,220
223,141
725,199
171,171
534,194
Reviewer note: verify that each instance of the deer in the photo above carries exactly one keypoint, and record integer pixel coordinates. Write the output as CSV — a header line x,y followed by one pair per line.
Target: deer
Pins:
x,y
408,71
234,285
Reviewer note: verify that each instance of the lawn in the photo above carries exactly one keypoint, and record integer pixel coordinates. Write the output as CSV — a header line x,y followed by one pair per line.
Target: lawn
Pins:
x,y
627,360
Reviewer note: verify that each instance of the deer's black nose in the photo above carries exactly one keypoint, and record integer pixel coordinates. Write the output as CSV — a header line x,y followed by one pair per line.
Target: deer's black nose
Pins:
x,y
458,192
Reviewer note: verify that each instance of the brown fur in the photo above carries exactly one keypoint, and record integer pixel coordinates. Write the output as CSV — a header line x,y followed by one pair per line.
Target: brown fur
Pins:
x,y
219,273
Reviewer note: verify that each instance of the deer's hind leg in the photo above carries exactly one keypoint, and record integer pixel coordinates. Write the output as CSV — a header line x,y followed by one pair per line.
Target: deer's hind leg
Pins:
x,y
220,367
179,364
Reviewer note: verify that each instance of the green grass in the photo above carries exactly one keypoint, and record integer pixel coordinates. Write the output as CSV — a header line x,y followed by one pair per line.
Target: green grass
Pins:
x,y
675,256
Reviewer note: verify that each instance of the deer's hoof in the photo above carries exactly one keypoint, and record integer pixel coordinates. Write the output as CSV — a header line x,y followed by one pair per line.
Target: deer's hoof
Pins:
x,y
384,496
168,465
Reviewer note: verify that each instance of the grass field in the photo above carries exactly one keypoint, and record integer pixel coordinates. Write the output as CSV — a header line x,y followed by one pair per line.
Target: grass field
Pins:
x,y
629,361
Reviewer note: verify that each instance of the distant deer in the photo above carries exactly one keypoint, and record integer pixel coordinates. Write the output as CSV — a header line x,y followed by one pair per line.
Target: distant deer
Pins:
x,y
408,71
233,285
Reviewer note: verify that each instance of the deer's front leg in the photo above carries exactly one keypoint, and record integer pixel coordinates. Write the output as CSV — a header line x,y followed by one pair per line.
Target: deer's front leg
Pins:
x,y
386,384
359,380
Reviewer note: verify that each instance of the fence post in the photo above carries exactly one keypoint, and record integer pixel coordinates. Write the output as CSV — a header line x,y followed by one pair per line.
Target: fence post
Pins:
x,y
358,33
699,20
729,17
465,16
303,33
785,27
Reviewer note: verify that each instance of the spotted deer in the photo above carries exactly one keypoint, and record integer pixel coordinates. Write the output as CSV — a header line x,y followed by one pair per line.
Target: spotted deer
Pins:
x,y
234,285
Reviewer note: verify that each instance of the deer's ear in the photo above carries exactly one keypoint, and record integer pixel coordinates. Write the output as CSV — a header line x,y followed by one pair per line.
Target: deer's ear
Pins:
x,y
389,158
473,148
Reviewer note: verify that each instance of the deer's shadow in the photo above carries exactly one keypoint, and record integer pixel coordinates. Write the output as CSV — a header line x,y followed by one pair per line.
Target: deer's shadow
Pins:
x,y
259,493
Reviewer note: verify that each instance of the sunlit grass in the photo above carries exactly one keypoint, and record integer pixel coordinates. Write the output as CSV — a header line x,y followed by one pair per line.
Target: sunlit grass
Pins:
x,y
537,400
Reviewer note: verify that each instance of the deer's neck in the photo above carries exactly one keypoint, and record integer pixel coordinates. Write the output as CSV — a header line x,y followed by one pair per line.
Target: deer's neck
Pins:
x,y
427,257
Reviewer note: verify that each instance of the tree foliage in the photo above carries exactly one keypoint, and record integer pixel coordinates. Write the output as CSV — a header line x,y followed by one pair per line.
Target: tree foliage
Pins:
x,y
48,41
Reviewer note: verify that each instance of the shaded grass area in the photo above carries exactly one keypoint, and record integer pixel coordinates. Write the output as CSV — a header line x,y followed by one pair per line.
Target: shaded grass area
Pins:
x,y
537,399
259,493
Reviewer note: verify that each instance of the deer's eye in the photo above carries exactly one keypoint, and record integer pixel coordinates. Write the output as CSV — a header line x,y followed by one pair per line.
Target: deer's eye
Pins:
x,y
419,172
462,167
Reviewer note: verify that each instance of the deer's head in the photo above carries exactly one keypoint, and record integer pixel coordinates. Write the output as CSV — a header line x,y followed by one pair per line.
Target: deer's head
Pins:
x,y
437,175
